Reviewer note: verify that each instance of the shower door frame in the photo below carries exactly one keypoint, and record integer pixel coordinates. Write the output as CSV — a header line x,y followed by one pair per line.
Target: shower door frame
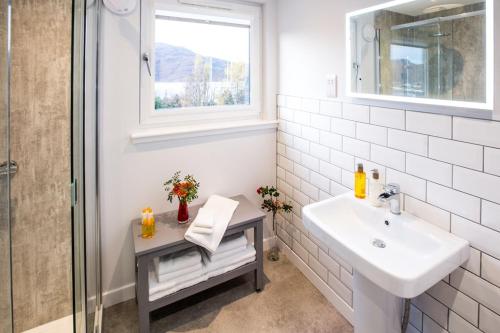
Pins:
x,y
7,172
77,168
86,230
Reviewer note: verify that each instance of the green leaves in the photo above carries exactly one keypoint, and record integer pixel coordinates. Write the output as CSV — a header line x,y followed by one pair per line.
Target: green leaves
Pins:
x,y
271,202
185,190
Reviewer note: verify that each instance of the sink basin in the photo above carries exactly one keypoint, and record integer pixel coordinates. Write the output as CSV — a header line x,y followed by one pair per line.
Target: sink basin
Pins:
x,y
401,254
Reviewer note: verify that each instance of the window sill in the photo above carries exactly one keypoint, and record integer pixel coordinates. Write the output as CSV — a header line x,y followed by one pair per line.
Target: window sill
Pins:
x,y
186,132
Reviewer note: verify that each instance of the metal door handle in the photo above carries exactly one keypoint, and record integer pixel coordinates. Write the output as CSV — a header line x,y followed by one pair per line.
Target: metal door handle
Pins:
x,y
145,57
8,168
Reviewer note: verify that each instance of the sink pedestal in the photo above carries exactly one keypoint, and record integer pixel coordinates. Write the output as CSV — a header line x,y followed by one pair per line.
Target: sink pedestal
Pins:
x,y
375,310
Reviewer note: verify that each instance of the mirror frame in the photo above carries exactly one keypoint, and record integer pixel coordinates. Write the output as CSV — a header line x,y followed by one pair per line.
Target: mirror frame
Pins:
x,y
487,105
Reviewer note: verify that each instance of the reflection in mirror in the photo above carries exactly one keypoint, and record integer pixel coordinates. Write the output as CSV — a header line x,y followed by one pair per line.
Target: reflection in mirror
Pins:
x,y
431,49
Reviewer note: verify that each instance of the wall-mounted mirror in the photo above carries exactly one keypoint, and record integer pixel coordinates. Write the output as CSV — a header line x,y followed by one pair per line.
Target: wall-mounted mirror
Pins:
x,y
422,51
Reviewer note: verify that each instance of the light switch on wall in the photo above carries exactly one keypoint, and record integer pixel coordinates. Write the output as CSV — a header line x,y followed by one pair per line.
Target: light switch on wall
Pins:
x,y
331,86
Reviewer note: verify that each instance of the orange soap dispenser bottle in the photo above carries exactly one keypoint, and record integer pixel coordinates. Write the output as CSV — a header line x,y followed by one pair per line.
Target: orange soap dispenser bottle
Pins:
x,y
148,223
360,182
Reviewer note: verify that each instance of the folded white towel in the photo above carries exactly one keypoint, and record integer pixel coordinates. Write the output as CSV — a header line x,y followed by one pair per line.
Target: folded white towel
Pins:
x,y
223,209
155,286
220,256
204,219
161,289
204,231
181,272
232,242
176,261
226,269
160,292
212,266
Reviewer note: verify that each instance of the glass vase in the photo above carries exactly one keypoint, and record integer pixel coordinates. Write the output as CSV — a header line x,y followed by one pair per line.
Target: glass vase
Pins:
x,y
183,213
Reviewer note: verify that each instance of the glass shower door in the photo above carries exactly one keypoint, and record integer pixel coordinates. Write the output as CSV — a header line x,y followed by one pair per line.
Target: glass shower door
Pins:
x,y
5,255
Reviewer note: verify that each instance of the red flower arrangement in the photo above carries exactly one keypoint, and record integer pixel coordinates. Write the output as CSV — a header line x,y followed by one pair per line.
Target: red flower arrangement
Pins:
x,y
185,190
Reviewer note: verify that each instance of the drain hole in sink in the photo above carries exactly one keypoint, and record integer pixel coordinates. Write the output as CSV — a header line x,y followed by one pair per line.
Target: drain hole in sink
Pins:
x,y
378,243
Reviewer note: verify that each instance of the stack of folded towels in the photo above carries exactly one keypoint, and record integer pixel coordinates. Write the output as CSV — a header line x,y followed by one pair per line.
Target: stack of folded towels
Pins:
x,y
174,272
211,222
177,271
233,252
214,256
204,222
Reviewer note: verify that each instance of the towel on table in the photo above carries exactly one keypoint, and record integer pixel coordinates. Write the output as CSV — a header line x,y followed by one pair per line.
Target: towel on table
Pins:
x,y
176,261
221,256
229,246
181,272
241,258
231,242
222,209
204,219
204,231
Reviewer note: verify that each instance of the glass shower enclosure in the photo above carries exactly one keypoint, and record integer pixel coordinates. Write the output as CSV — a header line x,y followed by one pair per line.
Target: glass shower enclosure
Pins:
x,y
49,232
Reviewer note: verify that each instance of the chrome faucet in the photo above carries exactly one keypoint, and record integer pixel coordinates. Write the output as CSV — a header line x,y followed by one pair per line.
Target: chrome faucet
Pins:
x,y
391,194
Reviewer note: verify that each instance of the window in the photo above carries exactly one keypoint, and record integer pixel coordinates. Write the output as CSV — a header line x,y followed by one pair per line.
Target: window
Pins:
x,y
200,61
409,70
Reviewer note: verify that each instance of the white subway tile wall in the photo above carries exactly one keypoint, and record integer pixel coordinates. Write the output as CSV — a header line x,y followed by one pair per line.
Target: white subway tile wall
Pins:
x,y
448,168
387,117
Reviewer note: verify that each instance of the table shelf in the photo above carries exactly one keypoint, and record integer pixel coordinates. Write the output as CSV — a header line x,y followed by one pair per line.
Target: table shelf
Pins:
x,y
170,239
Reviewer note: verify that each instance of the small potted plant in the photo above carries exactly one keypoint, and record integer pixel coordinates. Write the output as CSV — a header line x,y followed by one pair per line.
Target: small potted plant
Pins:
x,y
273,204
185,190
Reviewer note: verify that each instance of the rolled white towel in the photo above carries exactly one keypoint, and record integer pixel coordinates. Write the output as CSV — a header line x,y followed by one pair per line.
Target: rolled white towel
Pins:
x,y
176,261
223,209
181,272
204,219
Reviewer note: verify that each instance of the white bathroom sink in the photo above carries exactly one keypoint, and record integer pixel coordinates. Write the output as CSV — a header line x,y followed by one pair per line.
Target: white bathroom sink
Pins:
x,y
416,255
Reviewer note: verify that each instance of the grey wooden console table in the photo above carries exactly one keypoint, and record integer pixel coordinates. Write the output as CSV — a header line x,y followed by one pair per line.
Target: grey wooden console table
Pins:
x,y
169,238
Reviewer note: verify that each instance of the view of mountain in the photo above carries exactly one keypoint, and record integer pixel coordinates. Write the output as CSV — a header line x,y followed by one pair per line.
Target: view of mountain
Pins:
x,y
175,64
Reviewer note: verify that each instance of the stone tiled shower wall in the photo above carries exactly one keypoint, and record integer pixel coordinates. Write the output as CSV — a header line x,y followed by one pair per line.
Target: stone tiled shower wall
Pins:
x,y
449,171
40,137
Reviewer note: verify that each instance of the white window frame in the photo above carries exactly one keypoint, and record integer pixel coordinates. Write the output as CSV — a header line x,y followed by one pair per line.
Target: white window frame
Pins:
x,y
149,117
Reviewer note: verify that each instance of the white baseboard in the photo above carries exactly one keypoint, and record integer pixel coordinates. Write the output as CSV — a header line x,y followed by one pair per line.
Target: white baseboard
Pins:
x,y
118,295
126,292
328,292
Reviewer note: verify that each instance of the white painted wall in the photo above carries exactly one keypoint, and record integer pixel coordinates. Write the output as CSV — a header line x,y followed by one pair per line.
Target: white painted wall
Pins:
x,y
132,175
312,44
